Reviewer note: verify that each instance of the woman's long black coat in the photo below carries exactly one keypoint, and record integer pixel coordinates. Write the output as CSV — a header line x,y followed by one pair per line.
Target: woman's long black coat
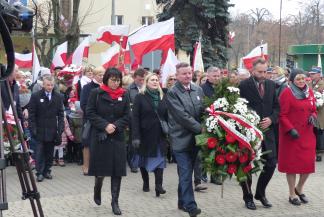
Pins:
x,y
146,125
107,155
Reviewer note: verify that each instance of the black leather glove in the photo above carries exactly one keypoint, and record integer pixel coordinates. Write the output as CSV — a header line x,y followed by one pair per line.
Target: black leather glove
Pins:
x,y
102,136
136,143
313,121
294,134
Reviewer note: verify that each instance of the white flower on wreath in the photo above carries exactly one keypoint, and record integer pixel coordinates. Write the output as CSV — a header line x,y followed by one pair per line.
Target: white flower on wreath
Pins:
x,y
233,90
221,104
319,98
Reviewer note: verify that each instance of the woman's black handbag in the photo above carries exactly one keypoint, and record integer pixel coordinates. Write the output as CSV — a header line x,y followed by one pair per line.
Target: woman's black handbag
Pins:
x,y
320,140
87,127
86,131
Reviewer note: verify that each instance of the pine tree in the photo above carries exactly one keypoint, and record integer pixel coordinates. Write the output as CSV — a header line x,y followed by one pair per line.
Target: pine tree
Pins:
x,y
209,18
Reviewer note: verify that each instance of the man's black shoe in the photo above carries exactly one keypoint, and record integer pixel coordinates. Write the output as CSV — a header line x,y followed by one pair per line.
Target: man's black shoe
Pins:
x,y
250,205
195,212
318,158
264,201
48,176
182,208
40,178
134,170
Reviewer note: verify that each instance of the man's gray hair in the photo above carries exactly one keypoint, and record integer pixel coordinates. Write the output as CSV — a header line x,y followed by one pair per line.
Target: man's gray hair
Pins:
x,y
48,78
212,69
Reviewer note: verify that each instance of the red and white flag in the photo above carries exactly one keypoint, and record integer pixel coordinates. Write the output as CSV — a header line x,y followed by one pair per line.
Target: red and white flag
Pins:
x,y
197,63
158,36
59,58
231,36
110,34
24,60
260,51
110,57
82,51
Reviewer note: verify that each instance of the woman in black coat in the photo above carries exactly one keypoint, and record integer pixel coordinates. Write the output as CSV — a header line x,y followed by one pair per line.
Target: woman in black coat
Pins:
x,y
148,109
108,112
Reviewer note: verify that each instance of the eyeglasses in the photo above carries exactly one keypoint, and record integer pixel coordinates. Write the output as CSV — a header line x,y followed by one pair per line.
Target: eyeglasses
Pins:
x,y
172,79
115,80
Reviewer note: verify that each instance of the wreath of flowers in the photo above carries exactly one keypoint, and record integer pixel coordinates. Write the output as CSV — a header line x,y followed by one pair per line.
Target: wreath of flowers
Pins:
x,y
232,143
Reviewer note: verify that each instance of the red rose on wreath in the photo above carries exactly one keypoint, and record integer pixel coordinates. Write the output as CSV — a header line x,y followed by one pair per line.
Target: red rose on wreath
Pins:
x,y
247,169
220,159
231,157
221,150
243,158
212,143
232,168
229,138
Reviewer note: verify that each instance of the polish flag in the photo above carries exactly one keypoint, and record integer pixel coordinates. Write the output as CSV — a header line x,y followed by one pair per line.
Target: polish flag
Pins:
x,y
260,51
127,57
169,67
110,57
110,34
24,60
197,63
158,36
59,58
82,51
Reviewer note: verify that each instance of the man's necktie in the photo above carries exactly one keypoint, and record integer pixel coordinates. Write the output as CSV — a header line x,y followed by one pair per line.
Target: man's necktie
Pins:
x,y
261,89
48,96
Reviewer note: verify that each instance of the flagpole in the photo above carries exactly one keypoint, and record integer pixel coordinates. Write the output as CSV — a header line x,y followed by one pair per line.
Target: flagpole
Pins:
x,y
280,34
113,16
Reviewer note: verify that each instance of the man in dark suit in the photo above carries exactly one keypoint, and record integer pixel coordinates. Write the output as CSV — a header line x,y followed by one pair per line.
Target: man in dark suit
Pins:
x,y
133,90
261,94
185,106
46,118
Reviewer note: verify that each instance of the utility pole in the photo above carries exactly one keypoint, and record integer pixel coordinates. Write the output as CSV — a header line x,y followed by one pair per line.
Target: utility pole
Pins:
x,y
113,16
279,59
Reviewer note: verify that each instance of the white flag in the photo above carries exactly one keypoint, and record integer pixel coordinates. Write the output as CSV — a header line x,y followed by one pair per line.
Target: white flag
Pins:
x,y
169,67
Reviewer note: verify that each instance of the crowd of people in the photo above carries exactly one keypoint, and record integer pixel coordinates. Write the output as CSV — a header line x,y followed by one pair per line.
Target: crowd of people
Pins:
x,y
105,120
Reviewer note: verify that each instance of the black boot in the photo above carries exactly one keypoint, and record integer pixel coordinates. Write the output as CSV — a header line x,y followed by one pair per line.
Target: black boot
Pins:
x,y
97,190
158,182
145,177
115,189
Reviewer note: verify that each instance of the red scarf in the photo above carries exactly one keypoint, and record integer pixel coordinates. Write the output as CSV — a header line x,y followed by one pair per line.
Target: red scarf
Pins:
x,y
114,94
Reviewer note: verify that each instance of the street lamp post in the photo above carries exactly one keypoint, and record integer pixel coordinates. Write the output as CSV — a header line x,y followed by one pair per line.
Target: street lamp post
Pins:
x,y
279,59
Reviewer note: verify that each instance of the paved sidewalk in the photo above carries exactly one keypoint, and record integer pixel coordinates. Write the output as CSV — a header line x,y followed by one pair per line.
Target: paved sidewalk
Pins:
x,y
69,194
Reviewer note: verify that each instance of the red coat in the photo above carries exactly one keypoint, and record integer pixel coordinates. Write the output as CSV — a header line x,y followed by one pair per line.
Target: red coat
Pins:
x,y
296,156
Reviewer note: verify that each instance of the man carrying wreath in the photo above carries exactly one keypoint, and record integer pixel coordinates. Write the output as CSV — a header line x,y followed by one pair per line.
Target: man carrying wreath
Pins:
x,y
261,96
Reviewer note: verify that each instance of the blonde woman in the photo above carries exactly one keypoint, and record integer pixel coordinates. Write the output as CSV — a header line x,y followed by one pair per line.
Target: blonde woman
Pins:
x,y
171,80
149,109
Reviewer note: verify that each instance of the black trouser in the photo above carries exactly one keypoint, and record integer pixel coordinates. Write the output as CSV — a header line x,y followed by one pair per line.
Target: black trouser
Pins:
x,y
44,157
263,181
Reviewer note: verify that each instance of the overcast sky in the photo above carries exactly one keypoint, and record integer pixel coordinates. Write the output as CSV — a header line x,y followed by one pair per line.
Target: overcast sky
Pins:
x,y
288,6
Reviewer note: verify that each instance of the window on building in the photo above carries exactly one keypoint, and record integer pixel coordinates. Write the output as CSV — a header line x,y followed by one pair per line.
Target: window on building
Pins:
x,y
148,20
119,19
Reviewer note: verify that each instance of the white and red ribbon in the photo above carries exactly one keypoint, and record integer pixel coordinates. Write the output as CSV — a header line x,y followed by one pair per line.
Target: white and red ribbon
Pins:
x,y
242,139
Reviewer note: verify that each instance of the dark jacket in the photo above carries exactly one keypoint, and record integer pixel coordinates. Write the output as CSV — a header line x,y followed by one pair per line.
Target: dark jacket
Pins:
x,y
107,151
208,89
185,110
266,106
85,92
46,118
15,94
132,92
146,125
